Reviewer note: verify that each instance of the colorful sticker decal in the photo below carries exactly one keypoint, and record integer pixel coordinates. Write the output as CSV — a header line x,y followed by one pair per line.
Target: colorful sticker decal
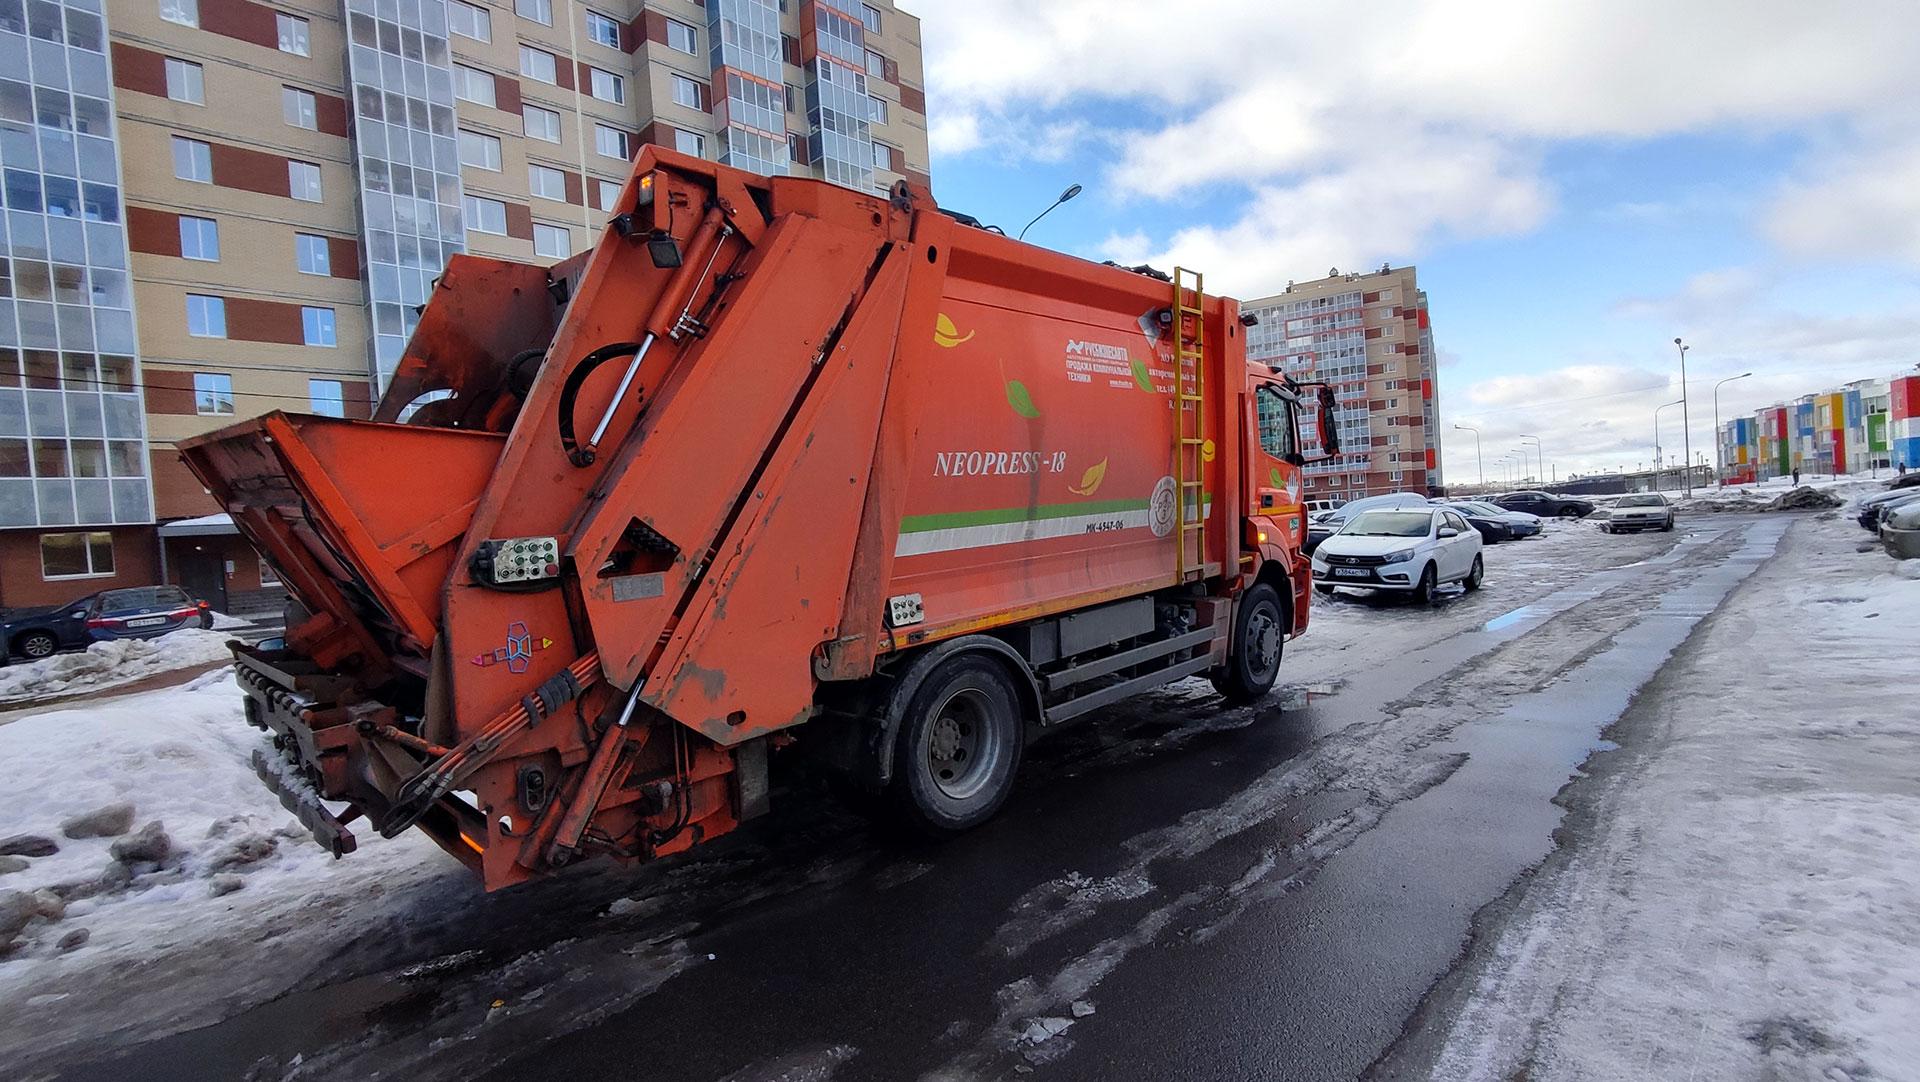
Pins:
x,y
946,335
1207,451
1020,400
517,654
1090,480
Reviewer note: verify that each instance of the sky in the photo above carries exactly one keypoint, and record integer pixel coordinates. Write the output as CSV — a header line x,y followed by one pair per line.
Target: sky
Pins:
x,y
1577,182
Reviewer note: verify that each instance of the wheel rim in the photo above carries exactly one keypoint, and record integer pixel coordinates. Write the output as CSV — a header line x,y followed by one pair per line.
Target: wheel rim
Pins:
x,y
1263,639
962,748
37,646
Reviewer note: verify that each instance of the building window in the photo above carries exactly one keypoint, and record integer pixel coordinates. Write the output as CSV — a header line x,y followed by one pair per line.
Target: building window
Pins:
x,y
542,124
192,160
316,326
206,318
686,92
603,30
310,254
469,20
611,142
607,86
186,81
303,181
297,108
793,97
547,182
877,110
535,64
680,36
76,555
269,576
882,156
184,12
552,241
687,142
876,64
485,215
199,239
539,11
608,192
294,36
213,393
472,84
479,151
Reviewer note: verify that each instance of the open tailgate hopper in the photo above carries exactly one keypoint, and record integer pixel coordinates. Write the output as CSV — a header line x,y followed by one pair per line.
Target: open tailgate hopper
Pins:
x,y
362,520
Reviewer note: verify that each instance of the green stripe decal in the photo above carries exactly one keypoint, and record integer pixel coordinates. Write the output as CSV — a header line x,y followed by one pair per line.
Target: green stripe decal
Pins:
x,y
954,519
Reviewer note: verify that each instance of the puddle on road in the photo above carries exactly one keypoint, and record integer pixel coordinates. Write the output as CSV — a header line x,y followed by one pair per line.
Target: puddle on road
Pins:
x,y
1509,619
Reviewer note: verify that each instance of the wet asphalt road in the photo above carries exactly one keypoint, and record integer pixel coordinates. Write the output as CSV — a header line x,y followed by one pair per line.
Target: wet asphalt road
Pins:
x,y
1178,890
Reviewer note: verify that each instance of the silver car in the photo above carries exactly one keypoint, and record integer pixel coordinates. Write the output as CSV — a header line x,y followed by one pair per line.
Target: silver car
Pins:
x,y
1646,511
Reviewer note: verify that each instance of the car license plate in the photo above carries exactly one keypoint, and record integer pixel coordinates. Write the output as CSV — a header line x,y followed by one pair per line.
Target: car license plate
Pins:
x,y
147,621
1351,572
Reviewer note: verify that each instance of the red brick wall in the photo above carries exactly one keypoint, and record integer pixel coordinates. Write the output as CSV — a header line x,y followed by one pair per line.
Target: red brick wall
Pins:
x,y
135,559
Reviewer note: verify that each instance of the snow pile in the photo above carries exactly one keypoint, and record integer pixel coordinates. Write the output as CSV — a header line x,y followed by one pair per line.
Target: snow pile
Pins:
x,y
1738,903
116,661
224,862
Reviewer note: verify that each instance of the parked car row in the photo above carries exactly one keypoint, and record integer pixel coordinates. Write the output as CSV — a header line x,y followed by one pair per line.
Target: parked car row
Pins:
x,y
139,612
1894,517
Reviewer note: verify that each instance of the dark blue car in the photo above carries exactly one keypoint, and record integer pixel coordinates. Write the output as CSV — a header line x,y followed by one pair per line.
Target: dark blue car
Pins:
x,y
140,612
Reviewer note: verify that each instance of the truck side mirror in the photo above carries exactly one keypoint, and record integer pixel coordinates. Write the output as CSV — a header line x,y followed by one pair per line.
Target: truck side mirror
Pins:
x,y
1329,428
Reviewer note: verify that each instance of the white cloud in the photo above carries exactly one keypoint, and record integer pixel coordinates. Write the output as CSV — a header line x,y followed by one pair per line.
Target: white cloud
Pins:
x,y
1854,205
1438,111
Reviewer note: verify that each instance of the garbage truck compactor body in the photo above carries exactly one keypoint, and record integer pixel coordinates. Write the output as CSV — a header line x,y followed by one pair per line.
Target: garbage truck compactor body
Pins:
x,y
776,467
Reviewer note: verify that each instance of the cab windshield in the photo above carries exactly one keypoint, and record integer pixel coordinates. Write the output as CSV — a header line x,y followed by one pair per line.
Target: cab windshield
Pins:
x,y
1390,524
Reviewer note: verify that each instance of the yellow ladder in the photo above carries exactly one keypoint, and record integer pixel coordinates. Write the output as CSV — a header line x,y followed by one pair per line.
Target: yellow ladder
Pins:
x,y
1190,423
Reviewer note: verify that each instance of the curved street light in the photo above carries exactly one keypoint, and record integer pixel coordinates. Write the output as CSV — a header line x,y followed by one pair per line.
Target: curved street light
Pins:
x,y
1656,440
1477,460
1064,196
1719,460
1686,422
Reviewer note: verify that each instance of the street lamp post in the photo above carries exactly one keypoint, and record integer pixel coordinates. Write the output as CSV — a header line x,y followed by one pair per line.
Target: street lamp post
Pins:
x,y
1656,442
1478,462
1539,457
1064,196
1719,460
1686,421
1526,463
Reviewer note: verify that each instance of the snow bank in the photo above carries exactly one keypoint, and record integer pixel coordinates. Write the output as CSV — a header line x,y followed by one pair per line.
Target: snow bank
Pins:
x,y
182,756
105,664
1739,903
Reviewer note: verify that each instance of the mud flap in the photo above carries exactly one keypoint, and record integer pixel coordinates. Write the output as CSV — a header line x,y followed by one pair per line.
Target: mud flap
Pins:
x,y
326,828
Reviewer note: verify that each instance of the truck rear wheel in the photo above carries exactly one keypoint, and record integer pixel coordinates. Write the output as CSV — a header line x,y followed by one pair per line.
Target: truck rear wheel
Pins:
x,y
1253,654
958,748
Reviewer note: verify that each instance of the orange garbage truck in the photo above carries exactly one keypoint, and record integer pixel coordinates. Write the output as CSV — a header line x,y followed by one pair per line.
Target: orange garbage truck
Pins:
x,y
777,469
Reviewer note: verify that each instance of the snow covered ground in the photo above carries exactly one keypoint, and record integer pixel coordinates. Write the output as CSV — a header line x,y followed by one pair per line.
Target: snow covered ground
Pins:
x,y
189,926
1739,903
107,664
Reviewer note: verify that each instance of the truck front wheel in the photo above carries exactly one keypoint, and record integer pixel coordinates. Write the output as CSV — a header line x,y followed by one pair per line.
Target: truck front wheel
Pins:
x,y
958,747
1253,655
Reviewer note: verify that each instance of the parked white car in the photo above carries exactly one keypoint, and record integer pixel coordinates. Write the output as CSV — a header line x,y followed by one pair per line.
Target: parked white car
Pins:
x,y
1641,511
1411,549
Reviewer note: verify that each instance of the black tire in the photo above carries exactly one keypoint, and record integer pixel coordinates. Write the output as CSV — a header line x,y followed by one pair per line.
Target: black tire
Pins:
x,y
1423,592
1668,528
1479,572
35,645
1253,654
958,748
1569,512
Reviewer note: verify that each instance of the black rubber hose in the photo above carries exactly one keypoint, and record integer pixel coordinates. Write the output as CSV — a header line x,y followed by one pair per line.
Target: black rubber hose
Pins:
x,y
576,454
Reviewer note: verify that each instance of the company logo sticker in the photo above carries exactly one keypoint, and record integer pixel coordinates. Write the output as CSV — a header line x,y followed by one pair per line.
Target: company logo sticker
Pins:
x,y
1160,508
946,335
1090,480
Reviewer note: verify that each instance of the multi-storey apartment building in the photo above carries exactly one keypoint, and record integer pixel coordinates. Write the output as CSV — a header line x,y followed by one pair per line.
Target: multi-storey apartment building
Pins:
x,y
1370,336
217,208
1858,428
